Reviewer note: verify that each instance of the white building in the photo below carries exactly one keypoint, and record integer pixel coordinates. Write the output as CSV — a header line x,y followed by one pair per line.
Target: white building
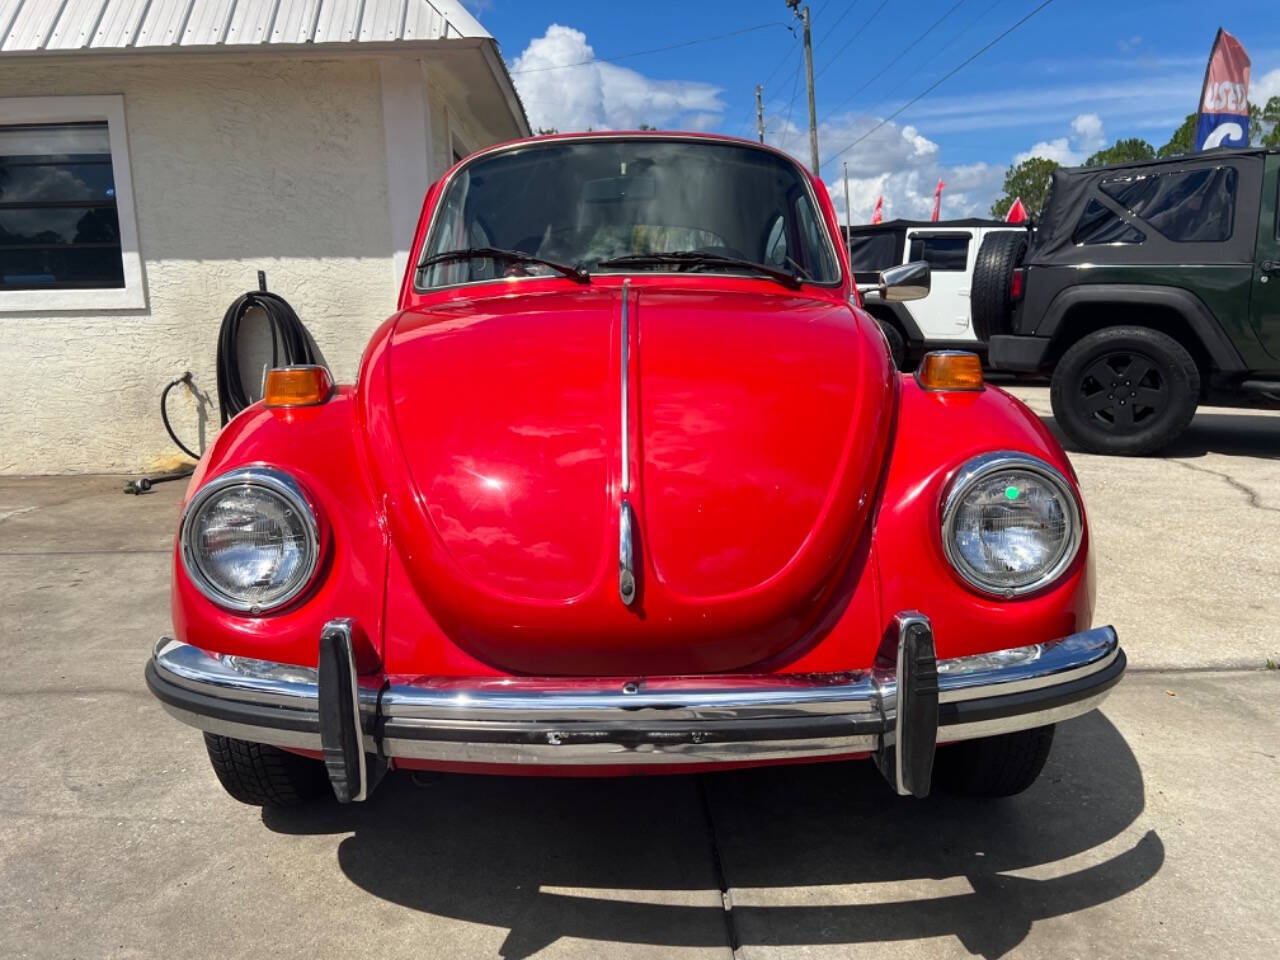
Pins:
x,y
155,154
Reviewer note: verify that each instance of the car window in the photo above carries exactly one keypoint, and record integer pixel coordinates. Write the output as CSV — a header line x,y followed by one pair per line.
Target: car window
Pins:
x,y
1186,206
1099,224
581,202
775,248
814,252
942,253
873,252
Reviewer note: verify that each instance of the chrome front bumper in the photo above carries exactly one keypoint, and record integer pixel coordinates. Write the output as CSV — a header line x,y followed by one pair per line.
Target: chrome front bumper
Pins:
x,y
650,720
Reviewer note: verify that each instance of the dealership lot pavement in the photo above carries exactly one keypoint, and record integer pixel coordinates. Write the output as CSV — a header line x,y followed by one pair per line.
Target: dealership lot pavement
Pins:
x,y
1151,833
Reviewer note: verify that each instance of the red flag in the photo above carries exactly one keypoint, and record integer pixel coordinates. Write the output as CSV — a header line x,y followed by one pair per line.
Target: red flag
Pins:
x,y
937,200
1223,114
1017,213
877,214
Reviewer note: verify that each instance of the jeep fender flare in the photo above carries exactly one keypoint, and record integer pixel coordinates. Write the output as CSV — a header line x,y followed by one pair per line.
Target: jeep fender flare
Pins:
x,y
899,314
1191,308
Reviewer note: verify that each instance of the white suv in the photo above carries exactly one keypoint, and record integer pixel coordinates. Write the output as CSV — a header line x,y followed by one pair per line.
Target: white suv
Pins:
x,y
942,319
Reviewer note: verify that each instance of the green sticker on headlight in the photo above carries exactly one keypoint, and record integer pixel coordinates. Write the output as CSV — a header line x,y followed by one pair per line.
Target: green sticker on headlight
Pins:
x,y
1011,493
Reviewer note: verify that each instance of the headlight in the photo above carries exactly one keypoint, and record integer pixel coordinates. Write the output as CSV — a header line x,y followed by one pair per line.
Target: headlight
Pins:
x,y
249,540
1010,523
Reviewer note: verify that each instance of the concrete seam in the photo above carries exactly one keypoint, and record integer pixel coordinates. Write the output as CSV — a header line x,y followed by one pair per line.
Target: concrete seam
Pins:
x,y
717,863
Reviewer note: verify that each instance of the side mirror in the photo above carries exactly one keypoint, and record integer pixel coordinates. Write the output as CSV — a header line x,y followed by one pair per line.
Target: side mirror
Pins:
x,y
907,281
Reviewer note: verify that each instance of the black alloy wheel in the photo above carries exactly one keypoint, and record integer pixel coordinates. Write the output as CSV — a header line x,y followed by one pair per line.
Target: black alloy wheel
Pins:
x,y
1121,391
1125,390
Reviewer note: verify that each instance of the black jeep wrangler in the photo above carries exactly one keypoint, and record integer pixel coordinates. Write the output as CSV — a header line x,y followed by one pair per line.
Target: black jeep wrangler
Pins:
x,y
1146,289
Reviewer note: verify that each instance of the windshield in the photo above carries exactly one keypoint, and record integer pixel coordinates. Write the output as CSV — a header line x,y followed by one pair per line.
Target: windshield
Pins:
x,y
579,203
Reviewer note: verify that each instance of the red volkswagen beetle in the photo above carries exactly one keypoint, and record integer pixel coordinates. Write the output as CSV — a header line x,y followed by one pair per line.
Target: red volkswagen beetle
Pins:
x,y
628,484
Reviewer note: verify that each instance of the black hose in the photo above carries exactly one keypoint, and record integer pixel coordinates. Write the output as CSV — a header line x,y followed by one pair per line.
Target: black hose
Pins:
x,y
290,346
164,414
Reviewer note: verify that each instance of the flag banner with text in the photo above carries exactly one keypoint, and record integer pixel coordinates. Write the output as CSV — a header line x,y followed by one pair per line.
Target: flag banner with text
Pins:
x,y
1223,119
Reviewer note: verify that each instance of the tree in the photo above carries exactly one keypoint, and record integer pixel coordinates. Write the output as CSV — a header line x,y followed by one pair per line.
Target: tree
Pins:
x,y
1133,150
1271,118
1182,141
1264,130
1028,180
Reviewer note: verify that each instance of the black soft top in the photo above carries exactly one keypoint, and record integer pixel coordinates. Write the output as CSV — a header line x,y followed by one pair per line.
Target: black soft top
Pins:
x,y
925,224
1076,190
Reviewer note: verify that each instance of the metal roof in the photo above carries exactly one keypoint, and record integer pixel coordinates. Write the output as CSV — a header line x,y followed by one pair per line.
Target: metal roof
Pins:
x,y
67,26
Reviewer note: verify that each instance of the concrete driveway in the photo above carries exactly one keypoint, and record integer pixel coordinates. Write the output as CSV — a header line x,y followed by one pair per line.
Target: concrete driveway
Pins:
x,y
1152,832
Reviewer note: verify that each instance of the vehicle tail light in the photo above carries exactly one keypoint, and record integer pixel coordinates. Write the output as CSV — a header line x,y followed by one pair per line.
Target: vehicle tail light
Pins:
x,y
297,386
1017,283
950,370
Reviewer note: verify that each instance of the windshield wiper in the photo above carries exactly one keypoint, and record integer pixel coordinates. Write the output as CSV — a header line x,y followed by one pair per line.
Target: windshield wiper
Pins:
x,y
578,273
695,258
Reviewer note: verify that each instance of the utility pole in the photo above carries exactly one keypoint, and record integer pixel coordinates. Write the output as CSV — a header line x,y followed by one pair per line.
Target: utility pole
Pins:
x,y
808,72
760,113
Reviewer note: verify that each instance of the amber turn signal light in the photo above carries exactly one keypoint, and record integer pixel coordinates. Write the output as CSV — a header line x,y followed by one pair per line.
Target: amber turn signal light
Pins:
x,y
950,370
297,387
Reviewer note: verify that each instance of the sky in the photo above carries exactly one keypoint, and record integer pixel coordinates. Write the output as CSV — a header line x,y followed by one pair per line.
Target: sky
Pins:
x,y
1076,76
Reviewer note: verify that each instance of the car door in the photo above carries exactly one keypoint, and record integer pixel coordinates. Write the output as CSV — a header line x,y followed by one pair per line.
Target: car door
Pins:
x,y
944,313
1265,299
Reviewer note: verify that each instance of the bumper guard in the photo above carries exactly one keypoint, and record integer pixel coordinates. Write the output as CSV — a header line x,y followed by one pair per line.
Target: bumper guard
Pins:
x,y
897,711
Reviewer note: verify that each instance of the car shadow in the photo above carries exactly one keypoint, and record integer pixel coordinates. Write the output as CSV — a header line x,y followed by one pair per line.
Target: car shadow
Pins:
x,y
1243,434
642,860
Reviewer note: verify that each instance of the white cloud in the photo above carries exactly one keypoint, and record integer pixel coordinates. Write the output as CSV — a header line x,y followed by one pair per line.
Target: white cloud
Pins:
x,y
603,96
1086,137
1087,129
1264,88
899,163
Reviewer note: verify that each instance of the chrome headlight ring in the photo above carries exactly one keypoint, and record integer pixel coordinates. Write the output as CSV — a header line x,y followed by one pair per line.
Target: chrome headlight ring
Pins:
x,y
276,483
983,467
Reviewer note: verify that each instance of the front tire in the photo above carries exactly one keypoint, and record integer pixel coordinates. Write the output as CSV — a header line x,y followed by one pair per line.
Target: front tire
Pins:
x,y
1125,390
993,767
897,343
265,776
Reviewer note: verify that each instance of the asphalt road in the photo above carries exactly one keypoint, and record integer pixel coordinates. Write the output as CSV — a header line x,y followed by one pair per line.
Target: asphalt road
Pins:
x,y
1152,832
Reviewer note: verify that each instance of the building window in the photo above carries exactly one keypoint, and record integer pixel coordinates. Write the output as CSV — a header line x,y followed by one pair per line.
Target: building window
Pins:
x,y
58,223
67,235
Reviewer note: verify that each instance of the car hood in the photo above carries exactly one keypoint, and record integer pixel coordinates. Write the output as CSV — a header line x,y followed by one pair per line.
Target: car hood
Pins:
x,y
756,427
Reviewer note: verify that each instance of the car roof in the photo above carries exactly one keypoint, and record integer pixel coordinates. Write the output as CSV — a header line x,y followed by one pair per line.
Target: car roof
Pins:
x,y
670,135
1181,159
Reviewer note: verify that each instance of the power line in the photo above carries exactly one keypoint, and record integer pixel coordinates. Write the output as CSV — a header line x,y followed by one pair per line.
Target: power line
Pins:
x,y
941,80
857,33
645,53
795,90
902,53
773,73
827,36
951,40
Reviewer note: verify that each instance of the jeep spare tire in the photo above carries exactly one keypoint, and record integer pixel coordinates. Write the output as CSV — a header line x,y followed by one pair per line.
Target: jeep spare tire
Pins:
x,y
989,302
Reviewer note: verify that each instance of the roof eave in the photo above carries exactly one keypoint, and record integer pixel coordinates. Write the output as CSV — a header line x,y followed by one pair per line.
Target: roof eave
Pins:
x,y
324,50
503,78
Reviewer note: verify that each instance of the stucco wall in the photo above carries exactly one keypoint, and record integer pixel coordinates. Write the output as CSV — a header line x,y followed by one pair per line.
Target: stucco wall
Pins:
x,y
278,165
